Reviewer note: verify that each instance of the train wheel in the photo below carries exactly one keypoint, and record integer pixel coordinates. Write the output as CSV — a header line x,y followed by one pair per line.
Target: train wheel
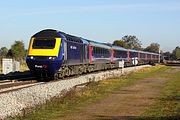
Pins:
x,y
68,72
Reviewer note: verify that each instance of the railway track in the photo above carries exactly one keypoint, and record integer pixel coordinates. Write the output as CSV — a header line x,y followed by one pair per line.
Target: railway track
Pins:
x,y
13,85
20,81
16,81
173,64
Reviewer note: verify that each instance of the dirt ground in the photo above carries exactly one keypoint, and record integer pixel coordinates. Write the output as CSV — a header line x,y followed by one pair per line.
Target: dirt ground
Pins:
x,y
129,102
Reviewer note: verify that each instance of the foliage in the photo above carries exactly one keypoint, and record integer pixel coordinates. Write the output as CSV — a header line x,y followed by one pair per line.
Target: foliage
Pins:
x,y
129,41
176,53
9,54
120,43
3,52
132,42
18,50
153,47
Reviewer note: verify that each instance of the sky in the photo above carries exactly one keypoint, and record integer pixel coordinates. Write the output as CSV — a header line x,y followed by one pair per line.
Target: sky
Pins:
x,y
151,21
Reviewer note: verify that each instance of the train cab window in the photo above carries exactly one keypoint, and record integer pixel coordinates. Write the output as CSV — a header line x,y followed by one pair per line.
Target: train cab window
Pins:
x,y
44,43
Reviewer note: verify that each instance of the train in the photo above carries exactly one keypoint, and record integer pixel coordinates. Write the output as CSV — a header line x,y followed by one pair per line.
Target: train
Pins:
x,y
54,54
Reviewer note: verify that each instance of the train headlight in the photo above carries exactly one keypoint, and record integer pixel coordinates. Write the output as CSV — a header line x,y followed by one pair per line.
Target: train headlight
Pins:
x,y
52,58
31,57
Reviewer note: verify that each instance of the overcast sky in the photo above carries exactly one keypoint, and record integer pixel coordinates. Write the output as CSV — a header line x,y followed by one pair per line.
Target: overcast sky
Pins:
x,y
101,20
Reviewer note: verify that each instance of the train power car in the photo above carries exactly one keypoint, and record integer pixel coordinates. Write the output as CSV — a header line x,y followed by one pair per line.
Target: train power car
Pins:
x,y
54,54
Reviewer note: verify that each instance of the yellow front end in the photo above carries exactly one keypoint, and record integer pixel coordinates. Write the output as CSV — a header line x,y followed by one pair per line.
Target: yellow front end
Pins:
x,y
44,52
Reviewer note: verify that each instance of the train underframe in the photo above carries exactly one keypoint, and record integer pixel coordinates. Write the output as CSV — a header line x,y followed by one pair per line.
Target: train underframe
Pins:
x,y
71,70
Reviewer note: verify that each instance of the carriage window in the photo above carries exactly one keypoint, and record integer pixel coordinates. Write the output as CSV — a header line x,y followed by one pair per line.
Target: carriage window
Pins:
x,y
100,52
44,44
148,56
142,55
119,54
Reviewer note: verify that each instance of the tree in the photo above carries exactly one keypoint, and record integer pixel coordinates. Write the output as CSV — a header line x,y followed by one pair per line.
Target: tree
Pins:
x,y
120,43
176,53
18,50
3,52
153,47
9,54
132,42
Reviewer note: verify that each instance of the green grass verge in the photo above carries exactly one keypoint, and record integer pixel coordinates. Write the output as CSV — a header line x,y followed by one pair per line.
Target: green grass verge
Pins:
x,y
167,106
24,67
73,100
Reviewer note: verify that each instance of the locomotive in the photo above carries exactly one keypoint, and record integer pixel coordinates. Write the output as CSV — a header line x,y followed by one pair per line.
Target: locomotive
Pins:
x,y
55,54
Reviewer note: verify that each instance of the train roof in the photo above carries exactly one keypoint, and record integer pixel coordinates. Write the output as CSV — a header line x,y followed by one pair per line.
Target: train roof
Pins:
x,y
85,41
119,48
131,50
55,33
145,52
148,52
97,44
48,33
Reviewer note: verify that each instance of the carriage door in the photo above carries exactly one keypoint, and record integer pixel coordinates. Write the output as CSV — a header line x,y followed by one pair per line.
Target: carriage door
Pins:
x,y
65,50
85,53
81,53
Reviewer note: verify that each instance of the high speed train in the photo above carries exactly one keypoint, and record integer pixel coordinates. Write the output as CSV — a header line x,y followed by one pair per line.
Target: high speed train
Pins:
x,y
55,54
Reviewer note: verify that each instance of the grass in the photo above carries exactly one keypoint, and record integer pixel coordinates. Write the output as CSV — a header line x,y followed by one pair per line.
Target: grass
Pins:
x,y
73,100
167,106
24,67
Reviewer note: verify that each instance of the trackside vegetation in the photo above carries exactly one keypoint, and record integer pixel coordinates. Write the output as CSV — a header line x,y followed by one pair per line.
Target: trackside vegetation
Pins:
x,y
167,106
95,91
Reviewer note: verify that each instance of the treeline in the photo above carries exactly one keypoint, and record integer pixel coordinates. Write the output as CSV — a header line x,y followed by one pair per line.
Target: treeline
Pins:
x,y
17,51
175,55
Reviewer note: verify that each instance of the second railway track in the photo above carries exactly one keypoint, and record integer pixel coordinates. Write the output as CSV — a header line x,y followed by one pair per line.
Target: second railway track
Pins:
x,y
9,85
